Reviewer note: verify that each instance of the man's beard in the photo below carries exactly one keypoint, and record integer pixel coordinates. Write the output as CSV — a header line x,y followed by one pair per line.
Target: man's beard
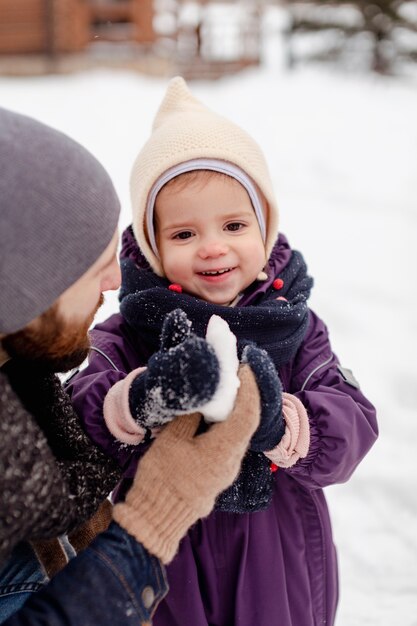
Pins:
x,y
52,343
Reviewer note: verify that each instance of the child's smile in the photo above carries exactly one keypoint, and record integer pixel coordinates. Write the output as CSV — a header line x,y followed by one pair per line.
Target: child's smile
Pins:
x,y
214,273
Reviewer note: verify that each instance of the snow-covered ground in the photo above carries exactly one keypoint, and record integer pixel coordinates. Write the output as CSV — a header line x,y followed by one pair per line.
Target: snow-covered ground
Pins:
x,y
342,151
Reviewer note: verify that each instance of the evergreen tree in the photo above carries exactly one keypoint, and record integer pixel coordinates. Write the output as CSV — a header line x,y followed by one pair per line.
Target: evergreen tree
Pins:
x,y
383,20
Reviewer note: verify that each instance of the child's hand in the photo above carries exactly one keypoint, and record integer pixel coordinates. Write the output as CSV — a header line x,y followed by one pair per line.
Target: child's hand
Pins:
x,y
181,377
187,374
272,425
252,489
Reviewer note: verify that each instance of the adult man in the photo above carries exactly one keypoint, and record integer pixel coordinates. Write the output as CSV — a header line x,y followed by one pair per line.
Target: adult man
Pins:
x,y
58,239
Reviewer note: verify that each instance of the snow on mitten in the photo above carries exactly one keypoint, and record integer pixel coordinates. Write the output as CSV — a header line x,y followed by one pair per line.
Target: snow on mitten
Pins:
x,y
187,374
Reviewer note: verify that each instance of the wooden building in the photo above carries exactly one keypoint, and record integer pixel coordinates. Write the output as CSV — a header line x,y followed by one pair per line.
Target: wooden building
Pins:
x,y
63,26
200,37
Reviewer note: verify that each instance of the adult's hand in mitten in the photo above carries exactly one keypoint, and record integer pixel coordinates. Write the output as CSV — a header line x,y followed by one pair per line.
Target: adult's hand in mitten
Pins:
x,y
180,476
272,425
188,374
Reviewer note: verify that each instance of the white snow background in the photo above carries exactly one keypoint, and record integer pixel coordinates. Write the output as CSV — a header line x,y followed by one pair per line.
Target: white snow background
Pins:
x,y
342,150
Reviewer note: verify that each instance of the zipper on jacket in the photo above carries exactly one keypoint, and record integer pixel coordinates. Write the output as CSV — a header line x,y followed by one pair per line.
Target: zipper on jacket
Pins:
x,y
103,354
76,370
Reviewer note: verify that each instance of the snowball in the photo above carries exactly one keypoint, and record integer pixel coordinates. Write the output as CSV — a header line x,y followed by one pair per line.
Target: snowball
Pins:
x,y
223,342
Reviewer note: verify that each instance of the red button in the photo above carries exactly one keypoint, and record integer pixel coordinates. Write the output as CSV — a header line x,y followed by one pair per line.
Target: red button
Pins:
x,y
175,287
278,283
273,467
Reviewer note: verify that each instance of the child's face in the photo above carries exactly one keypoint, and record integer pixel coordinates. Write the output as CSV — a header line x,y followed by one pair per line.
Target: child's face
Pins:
x,y
208,238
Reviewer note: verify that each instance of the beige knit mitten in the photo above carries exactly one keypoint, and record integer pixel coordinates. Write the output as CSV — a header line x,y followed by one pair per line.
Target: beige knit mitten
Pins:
x,y
179,478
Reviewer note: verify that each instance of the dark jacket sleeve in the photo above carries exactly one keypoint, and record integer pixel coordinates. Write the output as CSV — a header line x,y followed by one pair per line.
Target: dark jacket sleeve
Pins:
x,y
343,424
114,581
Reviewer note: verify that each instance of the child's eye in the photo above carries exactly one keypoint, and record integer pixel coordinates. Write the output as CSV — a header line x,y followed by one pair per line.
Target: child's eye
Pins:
x,y
234,226
185,234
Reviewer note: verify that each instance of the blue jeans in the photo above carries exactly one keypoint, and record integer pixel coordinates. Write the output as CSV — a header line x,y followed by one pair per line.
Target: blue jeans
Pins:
x,y
22,575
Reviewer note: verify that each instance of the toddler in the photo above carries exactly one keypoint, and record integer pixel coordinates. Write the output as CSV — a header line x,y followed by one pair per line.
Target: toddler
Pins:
x,y
205,241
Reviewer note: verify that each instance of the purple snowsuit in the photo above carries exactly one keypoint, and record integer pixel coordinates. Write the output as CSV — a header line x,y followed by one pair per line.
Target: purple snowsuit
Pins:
x,y
275,567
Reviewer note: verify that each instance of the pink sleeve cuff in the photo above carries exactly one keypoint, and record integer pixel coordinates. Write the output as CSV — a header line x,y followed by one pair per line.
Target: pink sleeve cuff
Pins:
x,y
117,414
296,439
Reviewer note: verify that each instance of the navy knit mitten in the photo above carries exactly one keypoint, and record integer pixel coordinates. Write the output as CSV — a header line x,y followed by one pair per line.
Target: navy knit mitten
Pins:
x,y
272,426
180,378
252,489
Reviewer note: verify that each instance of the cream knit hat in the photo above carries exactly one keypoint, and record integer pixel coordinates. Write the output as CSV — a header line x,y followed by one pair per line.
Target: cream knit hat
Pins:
x,y
185,130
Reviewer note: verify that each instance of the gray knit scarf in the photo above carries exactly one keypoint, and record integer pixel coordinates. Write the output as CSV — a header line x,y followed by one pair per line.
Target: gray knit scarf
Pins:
x,y
52,478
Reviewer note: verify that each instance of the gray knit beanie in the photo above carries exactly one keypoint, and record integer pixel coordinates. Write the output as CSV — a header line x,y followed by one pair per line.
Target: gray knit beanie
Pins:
x,y
58,213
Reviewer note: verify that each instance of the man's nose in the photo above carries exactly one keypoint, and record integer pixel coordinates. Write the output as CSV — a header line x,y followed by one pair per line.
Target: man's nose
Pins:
x,y
113,278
